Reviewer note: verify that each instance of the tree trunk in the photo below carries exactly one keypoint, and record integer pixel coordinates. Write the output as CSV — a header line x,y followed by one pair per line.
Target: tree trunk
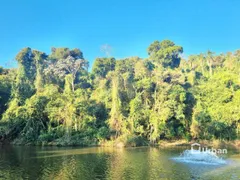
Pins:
x,y
210,66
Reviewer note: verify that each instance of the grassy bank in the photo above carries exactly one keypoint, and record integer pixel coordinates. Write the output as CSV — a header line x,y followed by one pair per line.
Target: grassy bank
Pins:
x,y
120,142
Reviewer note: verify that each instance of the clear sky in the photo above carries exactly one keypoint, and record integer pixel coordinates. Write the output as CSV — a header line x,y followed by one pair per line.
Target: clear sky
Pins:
x,y
129,26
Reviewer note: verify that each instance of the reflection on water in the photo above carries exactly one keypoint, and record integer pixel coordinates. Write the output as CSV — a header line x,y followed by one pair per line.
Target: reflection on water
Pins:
x,y
107,163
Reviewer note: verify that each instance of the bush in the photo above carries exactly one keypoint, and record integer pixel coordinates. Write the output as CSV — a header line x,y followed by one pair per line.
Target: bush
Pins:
x,y
131,140
76,140
103,133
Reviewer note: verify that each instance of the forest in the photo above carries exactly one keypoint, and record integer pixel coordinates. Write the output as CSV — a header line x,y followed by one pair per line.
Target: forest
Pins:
x,y
54,99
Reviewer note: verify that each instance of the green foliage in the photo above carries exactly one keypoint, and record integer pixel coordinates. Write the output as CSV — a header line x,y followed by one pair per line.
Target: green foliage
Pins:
x,y
165,53
102,66
63,53
6,80
53,99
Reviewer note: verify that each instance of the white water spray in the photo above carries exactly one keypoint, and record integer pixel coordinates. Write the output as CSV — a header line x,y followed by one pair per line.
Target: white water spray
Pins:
x,y
200,157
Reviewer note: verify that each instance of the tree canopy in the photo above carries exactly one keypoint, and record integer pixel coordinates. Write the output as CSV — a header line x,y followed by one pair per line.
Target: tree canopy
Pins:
x,y
54,98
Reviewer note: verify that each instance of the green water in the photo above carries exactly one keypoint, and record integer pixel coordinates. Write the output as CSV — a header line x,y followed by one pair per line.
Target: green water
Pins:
x,y
107,163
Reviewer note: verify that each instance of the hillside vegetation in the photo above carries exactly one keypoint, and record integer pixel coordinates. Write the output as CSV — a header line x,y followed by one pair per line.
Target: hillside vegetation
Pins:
x,y
54,98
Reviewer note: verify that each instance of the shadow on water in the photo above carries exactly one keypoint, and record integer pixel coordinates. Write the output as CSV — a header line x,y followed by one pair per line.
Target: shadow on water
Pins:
x,y
104,163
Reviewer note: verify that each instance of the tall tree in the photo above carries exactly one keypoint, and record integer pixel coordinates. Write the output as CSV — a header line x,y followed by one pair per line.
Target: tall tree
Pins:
x,y
165,53
102,66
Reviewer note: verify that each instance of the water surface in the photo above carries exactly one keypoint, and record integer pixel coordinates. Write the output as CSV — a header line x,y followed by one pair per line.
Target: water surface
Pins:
x,y
141,163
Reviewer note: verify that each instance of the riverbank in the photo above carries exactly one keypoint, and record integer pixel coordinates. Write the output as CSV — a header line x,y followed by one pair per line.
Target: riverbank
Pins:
x,y
208,143
126,142
164,144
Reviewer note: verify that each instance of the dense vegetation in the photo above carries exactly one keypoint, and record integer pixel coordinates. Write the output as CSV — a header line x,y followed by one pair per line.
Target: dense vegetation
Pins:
x,y
54,98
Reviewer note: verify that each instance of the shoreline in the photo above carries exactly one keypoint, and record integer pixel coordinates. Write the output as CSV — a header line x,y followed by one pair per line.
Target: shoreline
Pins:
x,y
209,143
235,144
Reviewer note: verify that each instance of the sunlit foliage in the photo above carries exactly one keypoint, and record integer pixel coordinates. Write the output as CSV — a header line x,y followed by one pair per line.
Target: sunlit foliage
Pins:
x,y
54,98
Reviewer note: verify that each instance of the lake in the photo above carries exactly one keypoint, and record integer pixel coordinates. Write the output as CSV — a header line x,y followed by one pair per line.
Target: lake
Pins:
x,y
141,163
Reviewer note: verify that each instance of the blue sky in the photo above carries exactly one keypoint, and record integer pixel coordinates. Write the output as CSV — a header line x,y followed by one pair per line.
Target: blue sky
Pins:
x,y
127,26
